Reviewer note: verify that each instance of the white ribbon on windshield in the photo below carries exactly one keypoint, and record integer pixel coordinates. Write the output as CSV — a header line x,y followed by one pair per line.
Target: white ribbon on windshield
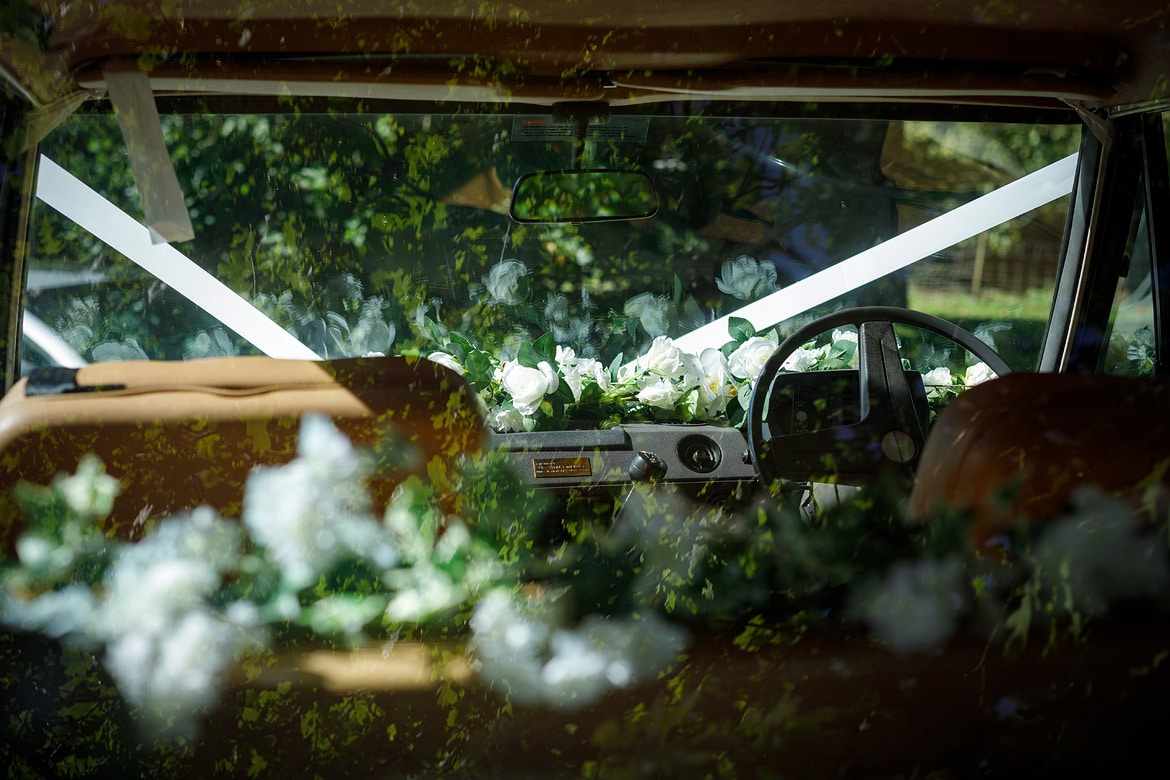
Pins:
x,y
996,207
80,203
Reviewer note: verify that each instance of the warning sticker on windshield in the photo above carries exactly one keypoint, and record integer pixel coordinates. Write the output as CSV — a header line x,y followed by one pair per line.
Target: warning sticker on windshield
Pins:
x,y
551,468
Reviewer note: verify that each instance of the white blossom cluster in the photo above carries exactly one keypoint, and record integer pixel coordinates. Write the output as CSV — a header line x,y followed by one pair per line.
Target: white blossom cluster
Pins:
x,y
523,648
693,386
166,645
158,610
941,381
915,605
1094,556
445,565
1099,554
664,377
310,512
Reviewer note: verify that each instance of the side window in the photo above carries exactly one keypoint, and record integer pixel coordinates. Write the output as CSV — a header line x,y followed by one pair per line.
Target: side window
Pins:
x,y
1132,349
1132,346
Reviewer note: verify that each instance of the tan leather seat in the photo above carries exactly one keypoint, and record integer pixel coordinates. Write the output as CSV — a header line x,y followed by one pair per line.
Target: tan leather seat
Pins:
x,y
1018,446
184,434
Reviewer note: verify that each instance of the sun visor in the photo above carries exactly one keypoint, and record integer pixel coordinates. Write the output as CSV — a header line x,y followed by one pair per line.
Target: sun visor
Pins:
x,y
158,186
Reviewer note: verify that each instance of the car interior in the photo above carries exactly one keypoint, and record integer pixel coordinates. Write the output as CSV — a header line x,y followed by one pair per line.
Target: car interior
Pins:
x,y
699,261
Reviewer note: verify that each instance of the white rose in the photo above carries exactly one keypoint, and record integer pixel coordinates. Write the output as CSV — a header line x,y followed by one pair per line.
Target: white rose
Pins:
x,y
747,361
502,420
503,281
574,379
716,388
663,358
596,370
746,279
691,372
662,394
528,386
628,373
576,371
651,310
845,345
443,359
567,364
805,358
848,336
937,380
566,356
977,374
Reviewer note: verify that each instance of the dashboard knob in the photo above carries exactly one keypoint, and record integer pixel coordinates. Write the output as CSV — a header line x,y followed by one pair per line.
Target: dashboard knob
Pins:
x,y
647,467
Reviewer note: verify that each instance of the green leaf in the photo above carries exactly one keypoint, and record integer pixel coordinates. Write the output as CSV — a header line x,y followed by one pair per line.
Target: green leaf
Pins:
x,y
616,363
688,405
546,347
457,339
554,406
434,331
528,356
258,766
740,329
478,365
736,415
591,394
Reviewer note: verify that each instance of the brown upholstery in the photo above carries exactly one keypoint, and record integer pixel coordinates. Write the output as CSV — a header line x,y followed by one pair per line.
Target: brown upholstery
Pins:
x,y
1016,447
183,434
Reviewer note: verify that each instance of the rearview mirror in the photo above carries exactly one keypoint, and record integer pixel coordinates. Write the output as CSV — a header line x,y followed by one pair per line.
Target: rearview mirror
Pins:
x,y
583,196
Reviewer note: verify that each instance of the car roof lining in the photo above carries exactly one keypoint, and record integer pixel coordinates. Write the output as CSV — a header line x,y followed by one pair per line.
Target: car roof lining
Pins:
x,y
755,81
795,85
1114,47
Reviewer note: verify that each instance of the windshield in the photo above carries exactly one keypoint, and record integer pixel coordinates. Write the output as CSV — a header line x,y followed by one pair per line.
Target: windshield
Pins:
x,y
385,229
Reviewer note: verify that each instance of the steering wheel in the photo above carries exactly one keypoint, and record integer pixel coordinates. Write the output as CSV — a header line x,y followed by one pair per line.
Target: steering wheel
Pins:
x,y
846,426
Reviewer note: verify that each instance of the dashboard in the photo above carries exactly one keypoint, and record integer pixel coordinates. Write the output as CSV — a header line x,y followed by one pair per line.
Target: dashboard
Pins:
x,y
704,458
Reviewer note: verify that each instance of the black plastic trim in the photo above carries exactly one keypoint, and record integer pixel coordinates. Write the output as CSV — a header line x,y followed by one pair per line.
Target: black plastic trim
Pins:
x,y
1156,171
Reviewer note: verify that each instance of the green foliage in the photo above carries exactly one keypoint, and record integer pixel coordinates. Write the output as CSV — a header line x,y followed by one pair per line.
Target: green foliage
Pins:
x,y
21,20
653,566
1132,353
